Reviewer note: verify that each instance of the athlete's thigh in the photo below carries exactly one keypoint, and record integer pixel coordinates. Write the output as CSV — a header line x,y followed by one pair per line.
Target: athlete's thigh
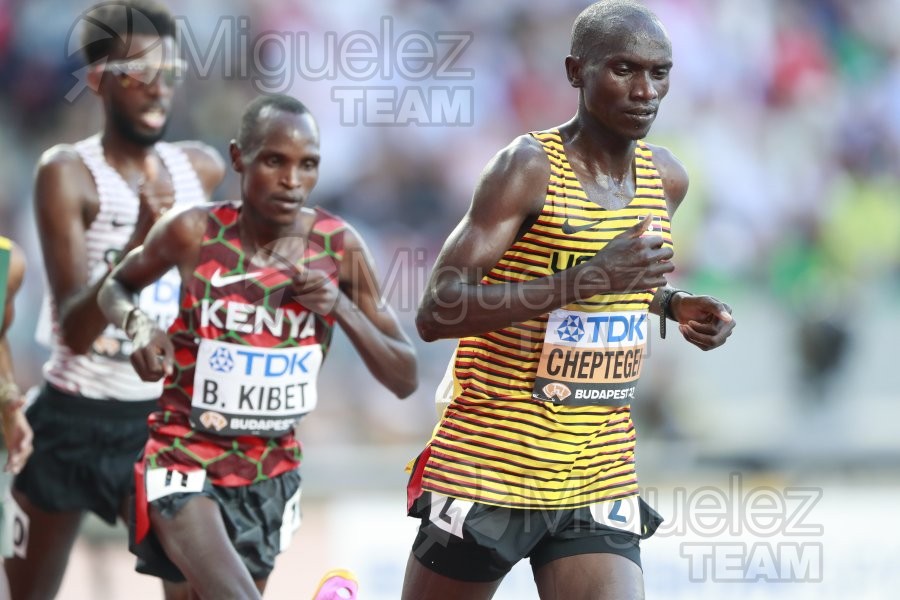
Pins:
x,y
421,583
176,590
50,539
603,576
195,539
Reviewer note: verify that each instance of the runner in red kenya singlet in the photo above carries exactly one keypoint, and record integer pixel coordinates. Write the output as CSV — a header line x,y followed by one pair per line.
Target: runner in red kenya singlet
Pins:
x,y
266,281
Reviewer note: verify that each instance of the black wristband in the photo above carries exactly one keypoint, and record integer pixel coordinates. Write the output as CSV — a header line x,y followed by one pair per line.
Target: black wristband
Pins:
x,y
665,310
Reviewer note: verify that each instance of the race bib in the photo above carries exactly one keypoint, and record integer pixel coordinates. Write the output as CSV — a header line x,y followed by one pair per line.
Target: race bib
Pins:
x,y
591,358
13,528
244,390
449,513
290,521
623,514
163,482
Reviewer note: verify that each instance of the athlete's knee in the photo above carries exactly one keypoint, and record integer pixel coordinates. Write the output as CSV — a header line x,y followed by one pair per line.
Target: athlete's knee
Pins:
x,y
180,531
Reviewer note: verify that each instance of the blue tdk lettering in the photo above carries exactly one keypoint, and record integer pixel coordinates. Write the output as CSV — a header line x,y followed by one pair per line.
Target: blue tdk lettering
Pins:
x,y
248,370
275,365
619,328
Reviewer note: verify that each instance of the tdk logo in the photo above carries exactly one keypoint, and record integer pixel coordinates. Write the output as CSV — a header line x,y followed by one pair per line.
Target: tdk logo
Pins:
x,y
274,365
619,328
603,328
571,329
221,361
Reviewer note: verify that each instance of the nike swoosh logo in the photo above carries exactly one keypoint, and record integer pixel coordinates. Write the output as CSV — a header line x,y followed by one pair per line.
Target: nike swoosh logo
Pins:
x,y
116,223
217,280
569,229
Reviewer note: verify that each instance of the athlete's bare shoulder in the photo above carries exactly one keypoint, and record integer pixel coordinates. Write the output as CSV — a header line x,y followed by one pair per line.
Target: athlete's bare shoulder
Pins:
x,y
524,155
177,237
186,225
63,163
206,160
515,180
199,211
64,190
60,154
674,175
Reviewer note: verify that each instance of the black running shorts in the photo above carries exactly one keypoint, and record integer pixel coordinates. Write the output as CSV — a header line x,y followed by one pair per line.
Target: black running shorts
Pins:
x,y
260,519
84,452
469,541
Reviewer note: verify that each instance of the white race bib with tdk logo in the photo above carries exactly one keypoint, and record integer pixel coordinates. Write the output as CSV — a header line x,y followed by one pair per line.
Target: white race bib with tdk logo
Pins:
x,y
591,357
245,390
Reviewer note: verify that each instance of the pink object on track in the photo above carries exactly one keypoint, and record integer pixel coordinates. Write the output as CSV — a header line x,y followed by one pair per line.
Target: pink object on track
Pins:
x,y
337,585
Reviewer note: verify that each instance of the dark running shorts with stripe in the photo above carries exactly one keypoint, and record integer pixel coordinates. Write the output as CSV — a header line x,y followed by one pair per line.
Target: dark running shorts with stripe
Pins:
x,y
469,541
84,452
260,519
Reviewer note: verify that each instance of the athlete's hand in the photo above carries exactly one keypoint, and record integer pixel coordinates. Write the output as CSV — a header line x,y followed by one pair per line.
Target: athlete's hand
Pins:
x,y
155,197
630,262
153,353
155,192
703,321
315,290
17,435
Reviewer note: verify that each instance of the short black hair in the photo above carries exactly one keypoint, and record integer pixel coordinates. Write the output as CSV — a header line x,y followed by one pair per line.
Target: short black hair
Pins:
x,y
250,119
602,18
109,25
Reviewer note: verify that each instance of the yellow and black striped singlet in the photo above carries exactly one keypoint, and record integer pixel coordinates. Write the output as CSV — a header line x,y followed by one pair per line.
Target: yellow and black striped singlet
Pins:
x,y
495,444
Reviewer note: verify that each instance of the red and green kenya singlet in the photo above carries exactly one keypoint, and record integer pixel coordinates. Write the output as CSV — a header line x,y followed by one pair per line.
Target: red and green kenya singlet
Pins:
x,y
540,416
246,358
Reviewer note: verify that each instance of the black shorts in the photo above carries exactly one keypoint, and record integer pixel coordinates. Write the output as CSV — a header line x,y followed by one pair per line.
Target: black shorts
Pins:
x,y
84,452
260,519
469,541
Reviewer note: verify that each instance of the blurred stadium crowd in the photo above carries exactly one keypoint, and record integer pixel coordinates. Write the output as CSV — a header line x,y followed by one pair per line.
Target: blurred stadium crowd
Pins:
x,y
786,113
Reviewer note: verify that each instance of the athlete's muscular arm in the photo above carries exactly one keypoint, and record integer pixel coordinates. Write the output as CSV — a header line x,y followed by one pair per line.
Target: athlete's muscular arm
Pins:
x,y
173,242
358,307
675,185
703,320
17,433
207,162
66,204
373,328
508,198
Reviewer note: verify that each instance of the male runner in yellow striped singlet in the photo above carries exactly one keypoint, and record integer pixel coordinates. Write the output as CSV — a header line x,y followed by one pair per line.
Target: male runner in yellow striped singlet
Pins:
x,y
548,282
